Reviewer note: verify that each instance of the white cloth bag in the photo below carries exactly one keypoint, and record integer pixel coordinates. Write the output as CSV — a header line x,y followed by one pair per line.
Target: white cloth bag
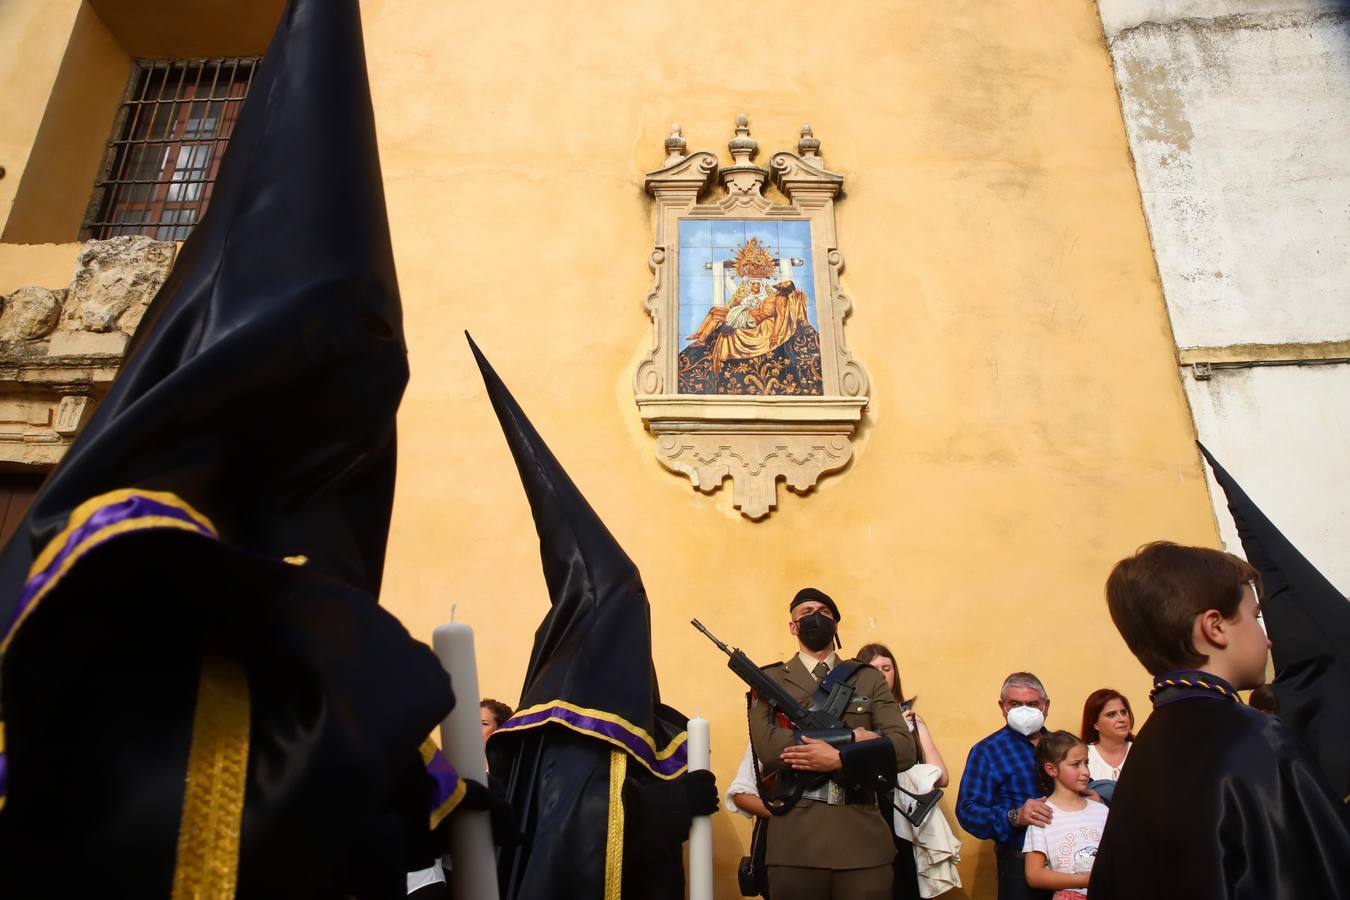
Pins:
x,y
936,848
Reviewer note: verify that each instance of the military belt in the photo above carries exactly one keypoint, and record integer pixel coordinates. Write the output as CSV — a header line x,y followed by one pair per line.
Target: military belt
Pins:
x,y
835,794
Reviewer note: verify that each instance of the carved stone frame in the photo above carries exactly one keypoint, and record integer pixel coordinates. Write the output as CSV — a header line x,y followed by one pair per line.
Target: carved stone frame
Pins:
x,y
753,440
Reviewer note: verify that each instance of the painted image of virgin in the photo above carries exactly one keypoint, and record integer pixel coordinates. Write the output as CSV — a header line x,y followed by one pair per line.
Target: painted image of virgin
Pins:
x,y
761,340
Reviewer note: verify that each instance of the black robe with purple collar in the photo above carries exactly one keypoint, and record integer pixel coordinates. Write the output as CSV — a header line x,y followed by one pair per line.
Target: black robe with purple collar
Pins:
x,y
198,686
1219,800
593,761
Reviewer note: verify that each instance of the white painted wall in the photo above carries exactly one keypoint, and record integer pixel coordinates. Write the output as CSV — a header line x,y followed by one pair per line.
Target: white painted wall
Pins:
x,y
1117,15
1238,115
1284,434
1239,128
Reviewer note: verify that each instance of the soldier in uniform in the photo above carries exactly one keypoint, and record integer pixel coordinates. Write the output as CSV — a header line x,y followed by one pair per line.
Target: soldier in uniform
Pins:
x,y
832,842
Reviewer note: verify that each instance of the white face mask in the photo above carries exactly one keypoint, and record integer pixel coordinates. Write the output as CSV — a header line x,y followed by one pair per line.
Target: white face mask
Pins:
x,y
1026,720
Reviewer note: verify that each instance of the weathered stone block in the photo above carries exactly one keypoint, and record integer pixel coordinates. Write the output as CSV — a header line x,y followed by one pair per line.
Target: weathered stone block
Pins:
x,y
85,343
115,280
30,313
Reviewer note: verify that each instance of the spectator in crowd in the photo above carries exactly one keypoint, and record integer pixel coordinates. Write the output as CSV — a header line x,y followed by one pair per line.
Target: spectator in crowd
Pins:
x,y
494,713
905,883
999,794
1059,855
1221,800
1108,732
879,657
743,795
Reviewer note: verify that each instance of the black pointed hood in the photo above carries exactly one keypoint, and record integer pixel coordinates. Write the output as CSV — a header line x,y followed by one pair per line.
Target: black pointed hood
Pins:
x,y
593,648
262,383
1308,620
590,726
252,421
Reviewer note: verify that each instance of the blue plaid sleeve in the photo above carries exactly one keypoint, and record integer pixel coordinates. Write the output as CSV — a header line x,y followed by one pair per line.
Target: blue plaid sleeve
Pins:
x,y
977,804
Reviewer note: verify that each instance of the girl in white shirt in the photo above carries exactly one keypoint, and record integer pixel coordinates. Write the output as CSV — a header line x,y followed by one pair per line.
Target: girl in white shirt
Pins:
x,y
1059,855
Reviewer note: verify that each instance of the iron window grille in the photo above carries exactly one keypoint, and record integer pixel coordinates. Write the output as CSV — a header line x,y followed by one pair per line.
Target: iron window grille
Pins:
x,y
171,132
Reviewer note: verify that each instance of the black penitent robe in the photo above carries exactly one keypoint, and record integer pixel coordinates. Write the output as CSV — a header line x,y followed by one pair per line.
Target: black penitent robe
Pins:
x,y
166,674
100,716
564,819
1219,800
1309,623
590,741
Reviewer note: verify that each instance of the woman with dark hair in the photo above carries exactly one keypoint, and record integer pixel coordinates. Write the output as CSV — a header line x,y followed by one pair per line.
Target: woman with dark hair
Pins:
x,y
1108,731
905,881
880,657
494,713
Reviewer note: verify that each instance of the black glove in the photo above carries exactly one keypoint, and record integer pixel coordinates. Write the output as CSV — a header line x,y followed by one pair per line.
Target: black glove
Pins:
x,y
505,826
700,792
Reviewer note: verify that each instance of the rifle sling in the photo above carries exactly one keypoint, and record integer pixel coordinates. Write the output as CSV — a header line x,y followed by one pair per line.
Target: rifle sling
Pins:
x,y
835,690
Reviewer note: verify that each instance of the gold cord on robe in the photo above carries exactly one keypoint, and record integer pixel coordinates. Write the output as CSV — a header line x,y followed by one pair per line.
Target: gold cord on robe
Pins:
x,y
207,864
618,771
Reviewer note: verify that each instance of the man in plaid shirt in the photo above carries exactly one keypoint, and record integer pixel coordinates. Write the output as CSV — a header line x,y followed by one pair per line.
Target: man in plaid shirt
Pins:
x,y
999,795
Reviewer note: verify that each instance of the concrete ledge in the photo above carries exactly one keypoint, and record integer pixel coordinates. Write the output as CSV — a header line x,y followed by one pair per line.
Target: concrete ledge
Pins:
x,y
1250,353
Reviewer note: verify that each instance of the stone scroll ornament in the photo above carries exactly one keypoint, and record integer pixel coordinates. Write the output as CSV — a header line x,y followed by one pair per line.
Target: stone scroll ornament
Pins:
x,y
748,376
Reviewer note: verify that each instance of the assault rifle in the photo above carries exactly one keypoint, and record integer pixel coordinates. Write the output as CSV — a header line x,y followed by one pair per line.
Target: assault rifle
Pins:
x,y
816,723
820,724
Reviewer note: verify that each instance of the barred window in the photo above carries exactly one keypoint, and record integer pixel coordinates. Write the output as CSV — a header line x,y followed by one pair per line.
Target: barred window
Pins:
x,y
171,132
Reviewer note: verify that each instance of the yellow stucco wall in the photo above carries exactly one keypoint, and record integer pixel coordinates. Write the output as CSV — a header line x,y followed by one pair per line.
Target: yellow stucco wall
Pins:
x,y
190,28
1027,426
33,39
72,142
41,265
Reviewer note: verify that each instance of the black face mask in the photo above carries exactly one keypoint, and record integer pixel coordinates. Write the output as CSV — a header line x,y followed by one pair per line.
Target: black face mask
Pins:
x,y
816,631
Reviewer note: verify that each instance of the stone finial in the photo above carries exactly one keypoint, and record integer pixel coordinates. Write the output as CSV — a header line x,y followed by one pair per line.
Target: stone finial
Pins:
x,y
809,146
743,147
675,145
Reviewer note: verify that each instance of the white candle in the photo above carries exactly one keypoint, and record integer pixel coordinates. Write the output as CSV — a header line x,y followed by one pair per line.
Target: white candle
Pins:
x,y
473,860
700,830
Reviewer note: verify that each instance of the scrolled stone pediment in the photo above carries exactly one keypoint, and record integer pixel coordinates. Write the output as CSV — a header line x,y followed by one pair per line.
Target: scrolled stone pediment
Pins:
x,y
748,376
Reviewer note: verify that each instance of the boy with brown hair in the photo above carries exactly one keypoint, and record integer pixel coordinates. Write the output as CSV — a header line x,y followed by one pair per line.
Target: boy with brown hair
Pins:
x,y
1218,800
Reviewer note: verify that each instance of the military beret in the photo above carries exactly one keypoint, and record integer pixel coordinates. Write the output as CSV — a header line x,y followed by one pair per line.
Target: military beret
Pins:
x,y
810,593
